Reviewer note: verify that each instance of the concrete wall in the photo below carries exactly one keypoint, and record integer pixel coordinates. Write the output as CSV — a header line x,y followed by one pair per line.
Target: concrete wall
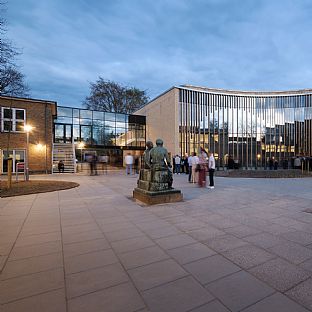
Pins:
x,y
39,114
162,120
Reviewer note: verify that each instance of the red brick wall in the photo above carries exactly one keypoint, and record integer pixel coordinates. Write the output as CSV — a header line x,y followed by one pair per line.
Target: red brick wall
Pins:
x,y
39,114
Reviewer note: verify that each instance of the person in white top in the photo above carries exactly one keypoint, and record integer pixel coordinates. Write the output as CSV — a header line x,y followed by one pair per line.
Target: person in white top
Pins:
x,y
189,160
195,162
129,163
177,161
212,167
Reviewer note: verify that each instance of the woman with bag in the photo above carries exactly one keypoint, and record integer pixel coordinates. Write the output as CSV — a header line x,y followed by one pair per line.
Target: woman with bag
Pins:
x,y
202,168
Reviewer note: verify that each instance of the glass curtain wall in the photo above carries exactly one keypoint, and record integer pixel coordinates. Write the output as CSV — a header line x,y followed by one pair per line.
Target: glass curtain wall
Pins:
x,y
99,129
246,131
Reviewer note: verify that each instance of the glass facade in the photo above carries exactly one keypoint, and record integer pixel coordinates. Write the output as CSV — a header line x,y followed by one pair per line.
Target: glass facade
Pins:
x,y
99,129
103,133
249,130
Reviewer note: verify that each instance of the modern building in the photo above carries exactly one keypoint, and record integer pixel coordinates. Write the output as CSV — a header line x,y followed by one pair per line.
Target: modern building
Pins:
x,y
64,133
244,129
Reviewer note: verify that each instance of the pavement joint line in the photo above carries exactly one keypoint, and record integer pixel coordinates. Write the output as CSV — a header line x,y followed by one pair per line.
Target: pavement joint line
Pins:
x,y
63,255
120,262
31,296
28,274
98,290
13,245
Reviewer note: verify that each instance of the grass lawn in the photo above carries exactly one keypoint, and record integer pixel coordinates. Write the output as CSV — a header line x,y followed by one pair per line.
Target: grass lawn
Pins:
x,y
34,187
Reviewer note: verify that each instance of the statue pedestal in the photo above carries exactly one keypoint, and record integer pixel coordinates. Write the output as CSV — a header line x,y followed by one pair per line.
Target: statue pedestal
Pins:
x,y
153,188
158,197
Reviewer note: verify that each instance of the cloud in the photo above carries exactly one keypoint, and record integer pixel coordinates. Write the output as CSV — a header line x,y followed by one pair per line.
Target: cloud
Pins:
x,y
231,44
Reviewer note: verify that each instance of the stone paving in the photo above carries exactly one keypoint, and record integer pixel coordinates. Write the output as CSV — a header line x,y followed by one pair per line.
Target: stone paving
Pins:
x,y
244,246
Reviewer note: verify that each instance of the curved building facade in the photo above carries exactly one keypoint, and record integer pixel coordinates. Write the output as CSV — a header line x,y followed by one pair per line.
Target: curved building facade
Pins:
x,y
243,129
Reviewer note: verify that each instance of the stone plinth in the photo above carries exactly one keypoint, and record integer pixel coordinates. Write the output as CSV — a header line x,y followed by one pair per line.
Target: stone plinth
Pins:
x,y
158,197
154,187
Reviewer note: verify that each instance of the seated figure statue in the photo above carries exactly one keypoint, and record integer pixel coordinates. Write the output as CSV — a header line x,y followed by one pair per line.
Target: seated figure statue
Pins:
x,y
146,156
160,161
159,157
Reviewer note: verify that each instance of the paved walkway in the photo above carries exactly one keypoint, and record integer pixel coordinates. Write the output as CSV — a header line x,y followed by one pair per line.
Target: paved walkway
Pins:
x,y
244,246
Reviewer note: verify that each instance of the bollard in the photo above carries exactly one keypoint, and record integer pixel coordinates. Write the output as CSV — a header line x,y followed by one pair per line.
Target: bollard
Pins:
x,y
10,163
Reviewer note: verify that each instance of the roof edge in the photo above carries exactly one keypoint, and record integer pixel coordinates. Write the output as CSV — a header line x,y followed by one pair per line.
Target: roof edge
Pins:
x,y
6,97
242,92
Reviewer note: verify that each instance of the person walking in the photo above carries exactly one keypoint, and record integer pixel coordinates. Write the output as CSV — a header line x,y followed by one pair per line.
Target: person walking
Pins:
x,y
212,167
129,163
189,161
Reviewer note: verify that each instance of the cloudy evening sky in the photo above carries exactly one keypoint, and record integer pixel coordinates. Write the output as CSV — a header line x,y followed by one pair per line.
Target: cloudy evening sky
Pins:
x,y
153,45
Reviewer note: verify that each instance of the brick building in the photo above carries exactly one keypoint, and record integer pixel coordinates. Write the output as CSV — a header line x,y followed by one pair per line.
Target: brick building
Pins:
x,y
15,113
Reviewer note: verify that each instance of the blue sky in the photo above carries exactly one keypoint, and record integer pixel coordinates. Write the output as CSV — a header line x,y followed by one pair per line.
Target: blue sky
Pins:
x,y
153,45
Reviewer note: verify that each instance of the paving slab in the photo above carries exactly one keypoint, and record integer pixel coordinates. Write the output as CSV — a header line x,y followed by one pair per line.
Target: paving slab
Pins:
x,y
239,290
181,295
79,248
274,303
158,273
123,298
32,265
212,268
95,279
280,274
29,285
190,253
53,301
302,293
107,253
89,261
213,306
248,256
142,257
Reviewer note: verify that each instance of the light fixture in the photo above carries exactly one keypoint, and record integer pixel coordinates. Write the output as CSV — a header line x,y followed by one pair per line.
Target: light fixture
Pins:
x,y
81,145
28,128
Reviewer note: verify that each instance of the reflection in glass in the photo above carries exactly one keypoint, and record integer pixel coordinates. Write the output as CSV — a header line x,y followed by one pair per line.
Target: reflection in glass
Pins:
x,y
96,128
249,130
64,111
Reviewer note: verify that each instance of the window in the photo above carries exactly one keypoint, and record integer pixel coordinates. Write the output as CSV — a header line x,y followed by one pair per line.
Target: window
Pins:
x,y
13,119
16,155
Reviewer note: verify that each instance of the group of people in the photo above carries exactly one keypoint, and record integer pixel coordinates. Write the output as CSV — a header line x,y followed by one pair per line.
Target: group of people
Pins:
x,y
198,167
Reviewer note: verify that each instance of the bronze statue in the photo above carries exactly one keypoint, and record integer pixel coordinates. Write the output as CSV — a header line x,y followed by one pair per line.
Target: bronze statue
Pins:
x,y
160,160
155,180
159,157
146,155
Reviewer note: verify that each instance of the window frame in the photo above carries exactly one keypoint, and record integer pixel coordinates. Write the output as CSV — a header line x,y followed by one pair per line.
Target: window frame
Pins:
x,y
13,120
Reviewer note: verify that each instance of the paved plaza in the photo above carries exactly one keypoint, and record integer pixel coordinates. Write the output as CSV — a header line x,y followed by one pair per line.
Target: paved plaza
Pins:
x,y
244,246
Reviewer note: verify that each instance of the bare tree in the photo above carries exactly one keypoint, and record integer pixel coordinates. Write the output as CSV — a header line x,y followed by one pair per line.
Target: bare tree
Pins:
x,y
12,81
110,96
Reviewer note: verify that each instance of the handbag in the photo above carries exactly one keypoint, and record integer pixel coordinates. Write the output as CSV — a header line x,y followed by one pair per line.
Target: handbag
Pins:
x,y
197,169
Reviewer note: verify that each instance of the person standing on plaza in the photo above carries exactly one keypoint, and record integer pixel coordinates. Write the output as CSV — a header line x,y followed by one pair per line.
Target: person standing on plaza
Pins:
x,y
202,167
212,167
129,163
177,161
186,164
195,162
182,164
189,161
